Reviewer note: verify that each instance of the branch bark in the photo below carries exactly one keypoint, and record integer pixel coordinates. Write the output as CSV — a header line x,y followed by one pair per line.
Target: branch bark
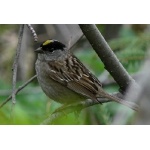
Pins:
x,y
107,56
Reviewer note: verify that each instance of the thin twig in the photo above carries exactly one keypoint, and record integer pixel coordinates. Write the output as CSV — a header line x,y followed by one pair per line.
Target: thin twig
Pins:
x,y
18,90
15,67
33,32
15,64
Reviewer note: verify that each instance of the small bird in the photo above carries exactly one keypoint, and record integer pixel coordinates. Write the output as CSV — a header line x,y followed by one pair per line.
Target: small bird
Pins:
x,y
64,79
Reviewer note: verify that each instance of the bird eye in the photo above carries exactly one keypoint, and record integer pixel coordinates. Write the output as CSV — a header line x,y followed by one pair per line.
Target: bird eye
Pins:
x,y
51,50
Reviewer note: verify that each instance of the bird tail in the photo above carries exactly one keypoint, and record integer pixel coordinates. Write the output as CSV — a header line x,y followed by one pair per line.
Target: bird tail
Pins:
x,y
129,104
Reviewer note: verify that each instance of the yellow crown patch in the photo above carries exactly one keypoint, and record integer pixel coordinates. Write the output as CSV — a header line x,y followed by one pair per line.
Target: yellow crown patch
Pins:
x,y
47,42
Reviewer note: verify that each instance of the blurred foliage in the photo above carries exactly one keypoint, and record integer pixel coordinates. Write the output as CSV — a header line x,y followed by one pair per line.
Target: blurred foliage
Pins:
x,y
131,48
33,107
8,27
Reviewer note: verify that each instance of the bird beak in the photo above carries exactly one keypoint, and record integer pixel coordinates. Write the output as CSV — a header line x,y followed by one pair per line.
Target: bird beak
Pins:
x,y
39,50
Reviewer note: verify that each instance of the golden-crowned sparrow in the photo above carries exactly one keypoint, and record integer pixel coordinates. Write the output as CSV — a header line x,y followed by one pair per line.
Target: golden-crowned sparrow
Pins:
x,y
65,79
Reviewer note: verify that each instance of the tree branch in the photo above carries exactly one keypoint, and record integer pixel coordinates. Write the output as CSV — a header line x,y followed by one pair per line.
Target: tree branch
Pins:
x,y
18,90
107,56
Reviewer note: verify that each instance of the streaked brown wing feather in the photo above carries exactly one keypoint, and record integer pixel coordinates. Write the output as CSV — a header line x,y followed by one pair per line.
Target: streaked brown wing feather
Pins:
x,y
73,74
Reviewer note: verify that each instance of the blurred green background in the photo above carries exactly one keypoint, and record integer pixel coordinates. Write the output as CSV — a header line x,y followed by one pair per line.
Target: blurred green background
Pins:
x,y
129,43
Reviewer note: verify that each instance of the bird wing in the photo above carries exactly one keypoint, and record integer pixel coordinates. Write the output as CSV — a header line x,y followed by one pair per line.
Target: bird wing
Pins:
x,y
75,76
